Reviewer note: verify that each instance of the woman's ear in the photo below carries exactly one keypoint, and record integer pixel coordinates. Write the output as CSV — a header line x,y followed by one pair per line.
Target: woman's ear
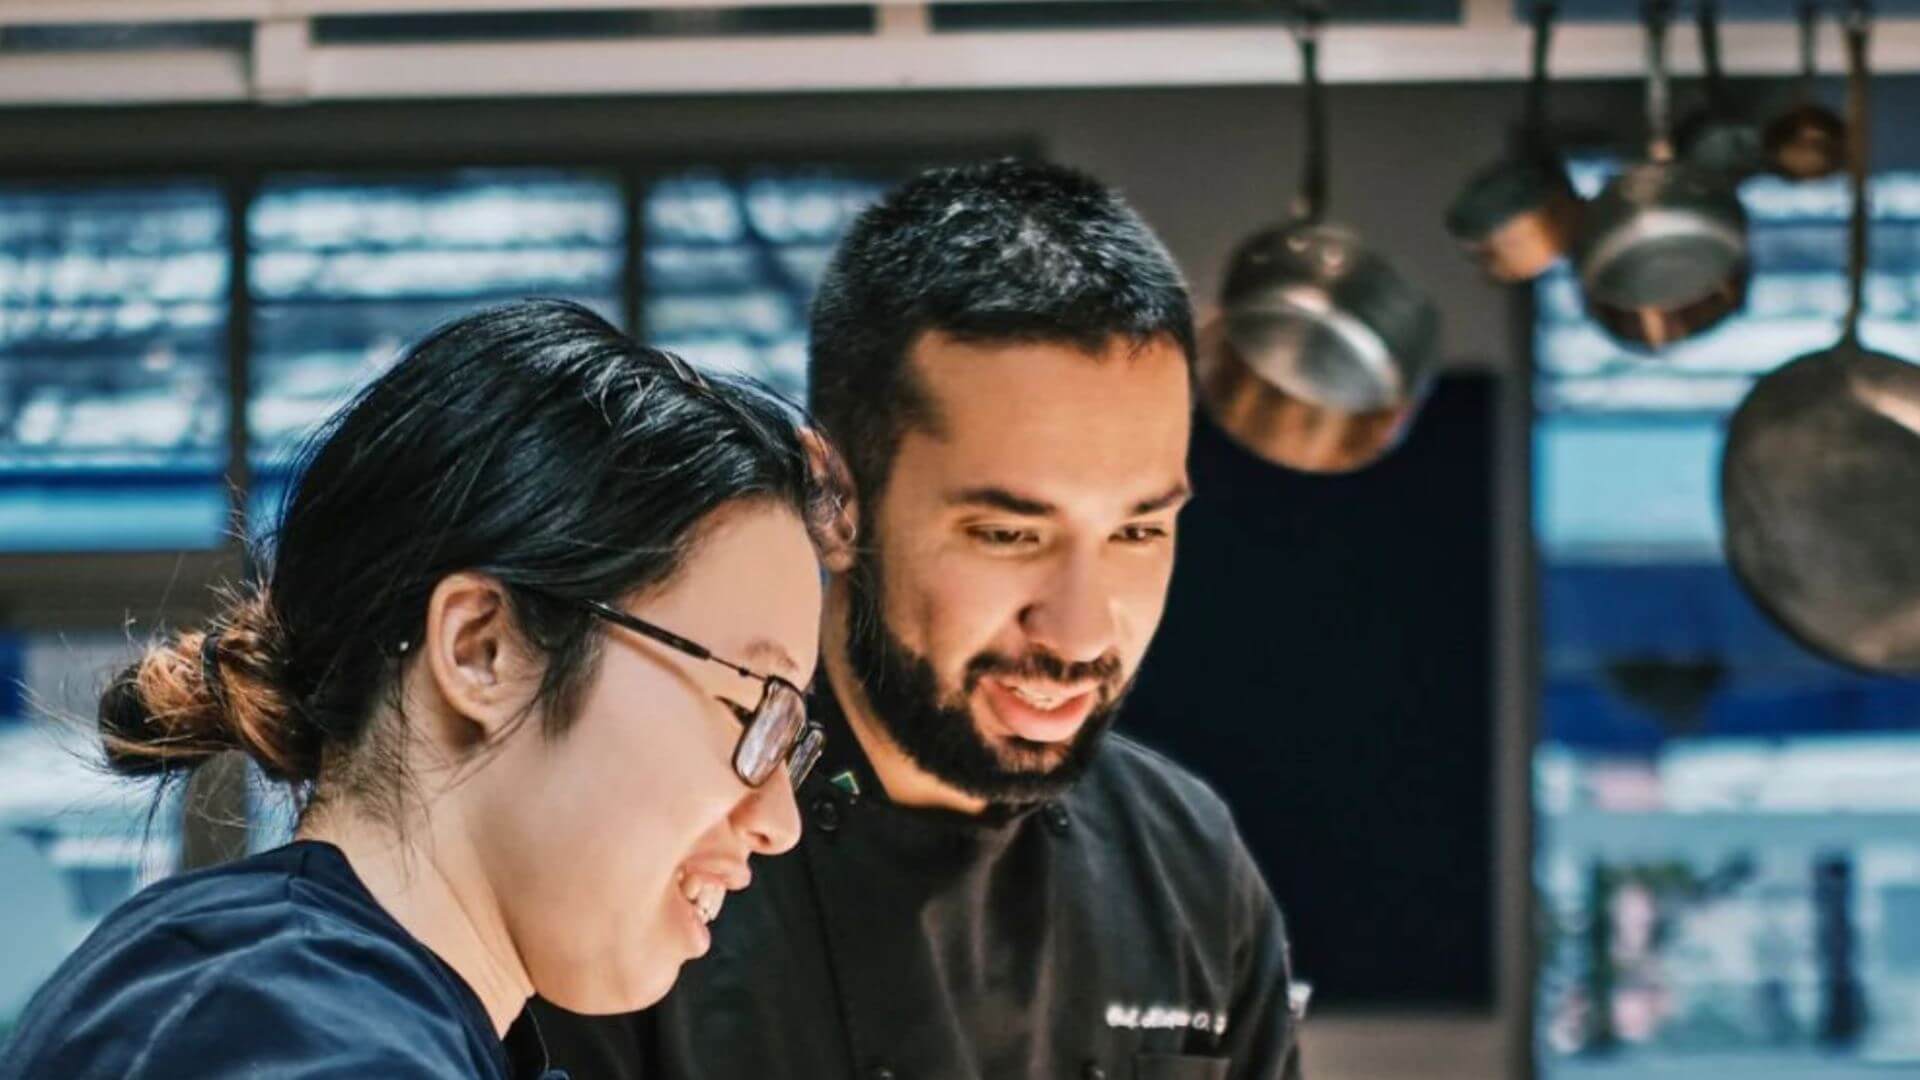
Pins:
x,y
830,472
476,656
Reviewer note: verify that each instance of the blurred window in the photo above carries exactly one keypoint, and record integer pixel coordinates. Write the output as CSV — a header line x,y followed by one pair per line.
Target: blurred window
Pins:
x,y
345,270
732,262
113,374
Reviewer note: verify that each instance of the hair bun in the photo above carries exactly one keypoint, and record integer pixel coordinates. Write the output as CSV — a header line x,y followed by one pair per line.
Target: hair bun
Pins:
x,y
124,722
203,692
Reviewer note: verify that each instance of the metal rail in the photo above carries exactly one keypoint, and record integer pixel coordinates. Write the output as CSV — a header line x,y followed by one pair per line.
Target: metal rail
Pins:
x,y
904,52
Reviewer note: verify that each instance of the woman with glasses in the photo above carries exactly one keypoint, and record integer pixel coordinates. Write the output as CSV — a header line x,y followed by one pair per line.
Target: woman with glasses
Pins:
x,y
529,654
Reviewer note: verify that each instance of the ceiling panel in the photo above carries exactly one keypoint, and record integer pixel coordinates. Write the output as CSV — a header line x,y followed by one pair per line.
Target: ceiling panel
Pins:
x,y
1730,10
1091,14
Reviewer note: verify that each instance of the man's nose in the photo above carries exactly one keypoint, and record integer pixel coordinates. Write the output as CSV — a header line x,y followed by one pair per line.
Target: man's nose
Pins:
x,y
1074,617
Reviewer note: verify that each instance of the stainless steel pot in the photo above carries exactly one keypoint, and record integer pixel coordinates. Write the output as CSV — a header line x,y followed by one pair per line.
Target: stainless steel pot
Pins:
x,y
1325,350
1662,254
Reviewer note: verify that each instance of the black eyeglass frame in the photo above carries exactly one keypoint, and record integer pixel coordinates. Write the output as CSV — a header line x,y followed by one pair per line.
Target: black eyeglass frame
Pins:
x,y
801,752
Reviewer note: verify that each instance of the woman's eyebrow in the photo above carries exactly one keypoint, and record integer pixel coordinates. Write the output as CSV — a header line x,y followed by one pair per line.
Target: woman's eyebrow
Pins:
x,y
768,653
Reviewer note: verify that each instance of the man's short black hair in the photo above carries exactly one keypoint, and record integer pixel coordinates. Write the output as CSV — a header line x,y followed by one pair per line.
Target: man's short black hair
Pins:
x,y
1006,251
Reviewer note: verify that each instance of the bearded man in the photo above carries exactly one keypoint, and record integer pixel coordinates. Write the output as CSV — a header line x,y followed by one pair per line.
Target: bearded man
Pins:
x,y
991,884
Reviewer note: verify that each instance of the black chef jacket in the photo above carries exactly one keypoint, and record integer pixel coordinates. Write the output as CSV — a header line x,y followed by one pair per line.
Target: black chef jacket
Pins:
x,y
1121,932
279,965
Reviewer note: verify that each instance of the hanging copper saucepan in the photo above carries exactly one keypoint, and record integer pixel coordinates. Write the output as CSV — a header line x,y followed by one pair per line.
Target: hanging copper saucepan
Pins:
x,y
1820,483
1518,216
1809,140
1715,137
1325,351
1662,254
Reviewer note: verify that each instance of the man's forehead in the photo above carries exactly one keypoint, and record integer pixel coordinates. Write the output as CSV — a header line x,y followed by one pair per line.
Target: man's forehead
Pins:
x,y
1071,439
1004,386
932,350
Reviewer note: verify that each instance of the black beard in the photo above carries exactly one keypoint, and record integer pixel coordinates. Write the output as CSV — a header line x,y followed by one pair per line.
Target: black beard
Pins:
x,y
939,736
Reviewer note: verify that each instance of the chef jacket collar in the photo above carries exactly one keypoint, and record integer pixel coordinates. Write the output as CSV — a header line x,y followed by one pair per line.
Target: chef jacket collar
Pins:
x,y
846,773
526,1050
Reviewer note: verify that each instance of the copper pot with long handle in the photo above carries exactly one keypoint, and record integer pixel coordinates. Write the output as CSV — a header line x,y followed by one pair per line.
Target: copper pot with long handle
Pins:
x,y
1663,250
1324,351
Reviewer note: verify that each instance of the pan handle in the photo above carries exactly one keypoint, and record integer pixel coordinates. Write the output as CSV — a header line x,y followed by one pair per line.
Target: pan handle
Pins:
x,y
1809,47
1311,204
1534,120
1706,18
1858,19
1656,13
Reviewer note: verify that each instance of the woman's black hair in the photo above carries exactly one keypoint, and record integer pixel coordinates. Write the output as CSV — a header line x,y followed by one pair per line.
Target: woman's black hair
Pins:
x,y
532,443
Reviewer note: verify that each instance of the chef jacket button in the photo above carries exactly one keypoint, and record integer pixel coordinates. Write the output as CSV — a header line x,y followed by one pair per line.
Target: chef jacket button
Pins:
x,y
826,813
1056,818
1093,1071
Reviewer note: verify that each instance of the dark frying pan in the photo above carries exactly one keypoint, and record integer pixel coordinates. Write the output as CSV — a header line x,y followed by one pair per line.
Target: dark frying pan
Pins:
x,y
1809,140
1820,484
1326,351
1518,216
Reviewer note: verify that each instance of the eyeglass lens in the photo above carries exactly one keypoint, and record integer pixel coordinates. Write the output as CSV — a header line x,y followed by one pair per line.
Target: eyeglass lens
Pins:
x,y
779,731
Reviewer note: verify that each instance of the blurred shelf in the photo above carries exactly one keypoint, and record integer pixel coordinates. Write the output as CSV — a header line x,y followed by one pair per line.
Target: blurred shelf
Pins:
x,y
1799,1065
1670,834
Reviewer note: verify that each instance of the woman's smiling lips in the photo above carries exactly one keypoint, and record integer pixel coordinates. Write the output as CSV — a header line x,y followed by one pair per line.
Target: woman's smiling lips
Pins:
x,y
702,887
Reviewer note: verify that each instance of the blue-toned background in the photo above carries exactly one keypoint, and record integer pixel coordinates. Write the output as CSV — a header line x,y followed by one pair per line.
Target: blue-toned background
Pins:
x,y
1729,826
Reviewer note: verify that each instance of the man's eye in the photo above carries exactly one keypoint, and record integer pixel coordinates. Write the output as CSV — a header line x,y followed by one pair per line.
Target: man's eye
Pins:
x,y
1143,534
1003,537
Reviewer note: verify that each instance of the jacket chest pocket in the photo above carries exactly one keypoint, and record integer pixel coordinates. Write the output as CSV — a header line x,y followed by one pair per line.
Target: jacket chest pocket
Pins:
x,y
1178,1067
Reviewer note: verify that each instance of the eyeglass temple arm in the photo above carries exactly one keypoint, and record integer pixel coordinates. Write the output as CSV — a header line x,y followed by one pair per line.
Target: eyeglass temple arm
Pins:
x,y
666,637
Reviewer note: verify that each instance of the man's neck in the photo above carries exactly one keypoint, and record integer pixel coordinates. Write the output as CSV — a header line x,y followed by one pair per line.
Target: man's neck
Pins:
x,y
906,783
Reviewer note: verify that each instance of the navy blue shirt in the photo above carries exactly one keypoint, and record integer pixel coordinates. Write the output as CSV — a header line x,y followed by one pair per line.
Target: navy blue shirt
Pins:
x,y
279,965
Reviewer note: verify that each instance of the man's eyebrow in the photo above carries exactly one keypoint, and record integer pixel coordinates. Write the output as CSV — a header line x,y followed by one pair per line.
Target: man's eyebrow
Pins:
x,y
1171,497
997,498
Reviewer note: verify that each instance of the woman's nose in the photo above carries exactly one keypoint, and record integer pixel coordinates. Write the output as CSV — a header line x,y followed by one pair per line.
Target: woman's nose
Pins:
x,y
769,817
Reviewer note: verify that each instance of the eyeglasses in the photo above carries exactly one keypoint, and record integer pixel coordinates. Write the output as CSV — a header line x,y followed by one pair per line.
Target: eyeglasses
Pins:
x,y
777,729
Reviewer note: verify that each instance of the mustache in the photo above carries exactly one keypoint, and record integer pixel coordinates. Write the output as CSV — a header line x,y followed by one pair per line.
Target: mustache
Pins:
x,y
1041,665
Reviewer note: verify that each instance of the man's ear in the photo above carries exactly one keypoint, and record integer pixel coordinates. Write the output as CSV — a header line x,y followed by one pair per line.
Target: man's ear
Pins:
x,y
830,472
476,657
